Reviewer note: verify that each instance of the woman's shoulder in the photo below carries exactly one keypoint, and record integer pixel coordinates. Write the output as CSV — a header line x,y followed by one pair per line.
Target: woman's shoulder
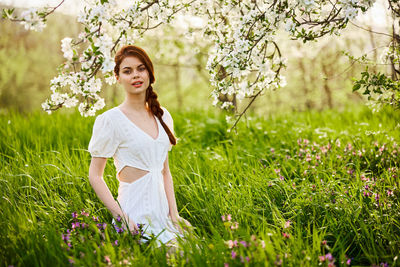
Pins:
x,y
108,118
167,118
109,114
166,112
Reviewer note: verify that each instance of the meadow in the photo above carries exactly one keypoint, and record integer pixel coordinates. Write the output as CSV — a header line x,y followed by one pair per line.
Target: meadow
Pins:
x,y
299,189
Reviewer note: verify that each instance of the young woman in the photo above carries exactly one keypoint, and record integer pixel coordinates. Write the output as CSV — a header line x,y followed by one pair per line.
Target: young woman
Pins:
x,y
138,134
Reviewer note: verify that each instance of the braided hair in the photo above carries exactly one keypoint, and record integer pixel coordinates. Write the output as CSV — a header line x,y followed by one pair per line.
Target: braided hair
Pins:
x,y
151,95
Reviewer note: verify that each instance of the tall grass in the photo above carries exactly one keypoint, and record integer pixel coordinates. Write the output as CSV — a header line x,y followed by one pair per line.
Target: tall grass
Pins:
x,y
304,189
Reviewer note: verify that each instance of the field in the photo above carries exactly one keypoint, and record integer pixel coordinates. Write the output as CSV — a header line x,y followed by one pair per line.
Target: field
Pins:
x,y
301,189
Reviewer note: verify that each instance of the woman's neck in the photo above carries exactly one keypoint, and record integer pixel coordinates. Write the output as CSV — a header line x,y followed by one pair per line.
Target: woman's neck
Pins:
x,y
134,104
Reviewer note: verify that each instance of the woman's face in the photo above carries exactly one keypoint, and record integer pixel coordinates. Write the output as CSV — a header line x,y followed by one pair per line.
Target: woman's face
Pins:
x,y
131,71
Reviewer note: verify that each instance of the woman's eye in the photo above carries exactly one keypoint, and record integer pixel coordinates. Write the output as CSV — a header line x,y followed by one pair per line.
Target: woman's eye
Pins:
x,y
142,69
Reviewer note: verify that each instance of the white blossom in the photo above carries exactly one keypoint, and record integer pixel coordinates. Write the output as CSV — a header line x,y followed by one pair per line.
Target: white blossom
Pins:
x,y
31,20
46,106
71,102
108,65
99,104
111,80
66,48
290,26
351,13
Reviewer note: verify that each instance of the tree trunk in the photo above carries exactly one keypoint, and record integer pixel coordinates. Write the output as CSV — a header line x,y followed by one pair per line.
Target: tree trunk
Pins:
x,y
326,87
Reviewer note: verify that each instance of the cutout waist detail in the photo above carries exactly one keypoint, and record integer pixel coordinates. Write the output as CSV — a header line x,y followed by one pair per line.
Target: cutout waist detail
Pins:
x,y
129,174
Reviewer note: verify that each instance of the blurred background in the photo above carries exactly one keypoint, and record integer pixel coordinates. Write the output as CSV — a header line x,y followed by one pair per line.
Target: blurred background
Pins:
x,y
319,76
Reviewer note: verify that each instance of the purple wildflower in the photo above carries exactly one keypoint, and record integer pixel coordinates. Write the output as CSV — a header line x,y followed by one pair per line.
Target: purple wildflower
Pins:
x,y
229,243
84,213
285,235
101,226
75,225
233,253
65,237
329,257
119,230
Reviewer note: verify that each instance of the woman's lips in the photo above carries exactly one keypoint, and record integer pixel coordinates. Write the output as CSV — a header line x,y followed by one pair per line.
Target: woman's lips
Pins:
x,y
137,85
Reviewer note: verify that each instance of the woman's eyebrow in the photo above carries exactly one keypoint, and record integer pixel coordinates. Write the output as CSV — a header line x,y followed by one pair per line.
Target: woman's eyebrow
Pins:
x,y
130,67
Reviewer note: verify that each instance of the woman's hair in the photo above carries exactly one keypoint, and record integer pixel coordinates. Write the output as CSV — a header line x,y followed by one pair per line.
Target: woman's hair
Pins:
x,y
151,96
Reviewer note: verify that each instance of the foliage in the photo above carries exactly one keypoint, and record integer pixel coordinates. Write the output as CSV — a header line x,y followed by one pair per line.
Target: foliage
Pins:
x,y
382,88
379,88
28,62
309,188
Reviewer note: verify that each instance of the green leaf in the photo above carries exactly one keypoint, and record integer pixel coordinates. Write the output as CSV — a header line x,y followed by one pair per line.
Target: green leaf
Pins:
x,y
356,87
7,12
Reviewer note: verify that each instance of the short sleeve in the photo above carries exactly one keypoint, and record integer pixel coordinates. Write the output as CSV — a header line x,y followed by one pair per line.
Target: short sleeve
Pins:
x,y
167,118
103,142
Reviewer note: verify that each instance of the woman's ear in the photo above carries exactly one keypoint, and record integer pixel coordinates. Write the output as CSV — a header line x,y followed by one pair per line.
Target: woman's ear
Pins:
x,y
116,77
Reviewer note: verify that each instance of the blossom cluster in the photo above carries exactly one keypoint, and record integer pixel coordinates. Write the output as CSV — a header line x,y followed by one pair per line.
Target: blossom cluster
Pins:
x,y
31,20
245,59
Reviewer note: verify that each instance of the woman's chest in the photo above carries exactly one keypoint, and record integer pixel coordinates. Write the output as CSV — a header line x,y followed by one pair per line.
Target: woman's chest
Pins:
x,y
137,141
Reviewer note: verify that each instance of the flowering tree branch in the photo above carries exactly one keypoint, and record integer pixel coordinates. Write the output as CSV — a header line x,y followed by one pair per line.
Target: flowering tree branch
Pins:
x,y
244,59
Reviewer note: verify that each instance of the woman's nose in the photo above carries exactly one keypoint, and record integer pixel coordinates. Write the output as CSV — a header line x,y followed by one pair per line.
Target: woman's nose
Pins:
x,y
135,74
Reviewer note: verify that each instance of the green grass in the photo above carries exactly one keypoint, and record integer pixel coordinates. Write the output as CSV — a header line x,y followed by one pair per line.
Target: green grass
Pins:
x,y
293,203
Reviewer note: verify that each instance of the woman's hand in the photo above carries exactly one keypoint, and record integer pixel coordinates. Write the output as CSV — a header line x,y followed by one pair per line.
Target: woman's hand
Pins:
x,y
180,223
128,221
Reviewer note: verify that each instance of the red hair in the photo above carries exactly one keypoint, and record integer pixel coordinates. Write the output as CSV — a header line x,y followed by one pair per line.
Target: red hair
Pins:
x,y
151,96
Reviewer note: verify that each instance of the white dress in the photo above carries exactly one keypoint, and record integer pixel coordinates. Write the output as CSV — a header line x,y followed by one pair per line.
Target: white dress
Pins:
x,y
144,200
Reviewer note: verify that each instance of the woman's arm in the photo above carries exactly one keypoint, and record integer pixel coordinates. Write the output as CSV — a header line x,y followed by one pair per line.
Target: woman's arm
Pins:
x,y
96,180
169,190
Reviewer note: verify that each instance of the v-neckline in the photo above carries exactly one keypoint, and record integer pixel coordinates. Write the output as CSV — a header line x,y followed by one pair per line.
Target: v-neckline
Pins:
x,y
140,129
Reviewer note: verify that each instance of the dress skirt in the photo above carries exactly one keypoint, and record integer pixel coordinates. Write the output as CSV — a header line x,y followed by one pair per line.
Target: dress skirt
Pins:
x,y
145,201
